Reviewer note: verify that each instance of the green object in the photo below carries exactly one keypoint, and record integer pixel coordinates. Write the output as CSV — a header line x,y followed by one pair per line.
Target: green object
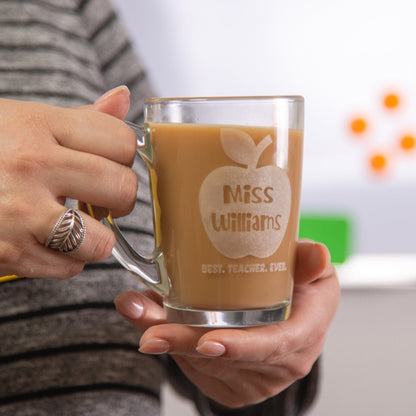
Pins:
x,y
332,230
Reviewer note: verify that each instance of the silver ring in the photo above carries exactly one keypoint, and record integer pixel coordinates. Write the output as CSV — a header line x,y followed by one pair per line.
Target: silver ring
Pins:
x,y
68,232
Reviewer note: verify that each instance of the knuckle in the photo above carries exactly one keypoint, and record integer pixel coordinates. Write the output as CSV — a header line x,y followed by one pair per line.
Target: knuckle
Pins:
x,y
72,269
282,349
35,119
301,370
10,254
128,191
130,144
315,339
32,161
318,336
10,206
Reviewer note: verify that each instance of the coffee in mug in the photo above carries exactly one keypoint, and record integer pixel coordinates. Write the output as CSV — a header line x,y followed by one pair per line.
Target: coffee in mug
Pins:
x,y
225,179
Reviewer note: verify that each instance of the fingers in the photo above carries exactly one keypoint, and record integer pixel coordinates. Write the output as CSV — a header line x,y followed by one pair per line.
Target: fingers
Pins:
x,y
313,308
160,337
93,179
142,310
270,343
115,102
92,134
251,363
90,131
259,344
22,254
98,241
313,262
50,154
47,263
248,344
23,251
80,127
316,283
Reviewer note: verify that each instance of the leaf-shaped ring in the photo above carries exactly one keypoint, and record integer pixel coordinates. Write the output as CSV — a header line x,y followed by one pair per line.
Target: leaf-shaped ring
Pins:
x,y
68,232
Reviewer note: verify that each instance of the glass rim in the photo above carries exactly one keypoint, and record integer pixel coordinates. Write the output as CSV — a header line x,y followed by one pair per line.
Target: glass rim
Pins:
x,y
207,99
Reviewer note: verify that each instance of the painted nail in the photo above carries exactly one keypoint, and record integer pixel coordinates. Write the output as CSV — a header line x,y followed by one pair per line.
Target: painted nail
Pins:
x,y
112,93
129,306
211,349
155,346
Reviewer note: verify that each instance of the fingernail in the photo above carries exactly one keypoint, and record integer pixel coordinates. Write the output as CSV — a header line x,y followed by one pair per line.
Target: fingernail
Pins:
x,y
211,349
155,346
111,93
129,306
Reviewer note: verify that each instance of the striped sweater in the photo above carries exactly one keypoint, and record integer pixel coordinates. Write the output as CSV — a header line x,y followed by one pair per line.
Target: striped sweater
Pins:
x,y
64,350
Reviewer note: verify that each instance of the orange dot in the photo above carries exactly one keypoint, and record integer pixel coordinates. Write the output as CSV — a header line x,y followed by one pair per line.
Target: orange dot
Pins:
x,y
407,142
391,101
358,125
378,162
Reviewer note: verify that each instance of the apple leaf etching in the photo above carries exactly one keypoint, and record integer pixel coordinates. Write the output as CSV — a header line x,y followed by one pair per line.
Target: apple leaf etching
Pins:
x,y
241,148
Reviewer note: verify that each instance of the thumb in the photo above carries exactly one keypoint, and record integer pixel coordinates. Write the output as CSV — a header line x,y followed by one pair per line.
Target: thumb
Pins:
x,y
115,102
313,262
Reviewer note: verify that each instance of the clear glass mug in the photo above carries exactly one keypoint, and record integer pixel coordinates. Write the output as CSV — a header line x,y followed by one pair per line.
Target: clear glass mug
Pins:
x,y
225,177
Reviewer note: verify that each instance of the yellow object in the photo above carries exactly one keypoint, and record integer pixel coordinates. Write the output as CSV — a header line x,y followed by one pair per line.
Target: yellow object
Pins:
x,y
90,210
7,278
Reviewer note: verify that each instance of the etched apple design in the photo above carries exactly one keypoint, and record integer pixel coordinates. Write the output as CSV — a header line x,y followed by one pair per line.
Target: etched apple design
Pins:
x,y
245,210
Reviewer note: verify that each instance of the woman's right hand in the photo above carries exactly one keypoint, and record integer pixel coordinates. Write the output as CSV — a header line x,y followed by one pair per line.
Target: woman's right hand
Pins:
x,y
49,153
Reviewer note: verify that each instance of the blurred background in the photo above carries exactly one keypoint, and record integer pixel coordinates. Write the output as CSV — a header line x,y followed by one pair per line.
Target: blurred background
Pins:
x,y
355,65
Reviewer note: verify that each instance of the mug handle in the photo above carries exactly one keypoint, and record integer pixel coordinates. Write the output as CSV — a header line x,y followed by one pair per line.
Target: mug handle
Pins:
x,y
150,270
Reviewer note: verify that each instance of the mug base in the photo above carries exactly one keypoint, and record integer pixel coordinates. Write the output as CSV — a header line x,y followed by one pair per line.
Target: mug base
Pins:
x,y
228,318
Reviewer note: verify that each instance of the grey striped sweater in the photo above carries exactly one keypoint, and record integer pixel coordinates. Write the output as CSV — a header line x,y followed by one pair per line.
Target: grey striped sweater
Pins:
x,y
64,350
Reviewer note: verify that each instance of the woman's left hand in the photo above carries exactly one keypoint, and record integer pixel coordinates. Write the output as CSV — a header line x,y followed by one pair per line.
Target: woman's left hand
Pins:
x,y
239,367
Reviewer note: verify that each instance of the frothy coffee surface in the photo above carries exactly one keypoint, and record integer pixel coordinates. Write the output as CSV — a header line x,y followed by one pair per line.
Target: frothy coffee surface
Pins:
x,y
227,202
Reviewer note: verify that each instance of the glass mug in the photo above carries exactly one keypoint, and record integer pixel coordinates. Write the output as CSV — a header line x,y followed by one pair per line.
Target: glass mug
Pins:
x,y
225,178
